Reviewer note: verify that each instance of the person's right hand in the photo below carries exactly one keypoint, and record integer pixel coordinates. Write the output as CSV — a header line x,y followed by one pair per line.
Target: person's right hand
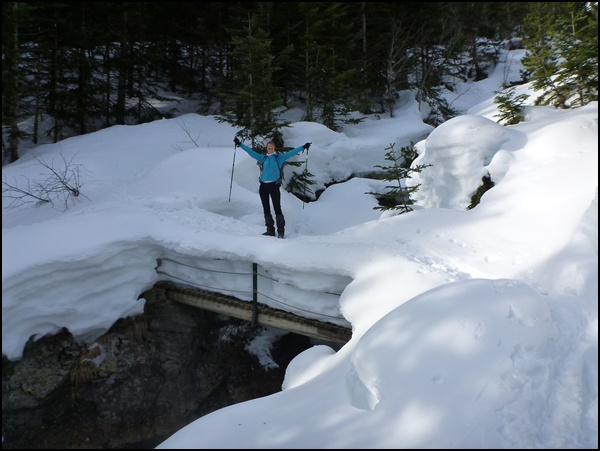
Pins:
x,y
236,141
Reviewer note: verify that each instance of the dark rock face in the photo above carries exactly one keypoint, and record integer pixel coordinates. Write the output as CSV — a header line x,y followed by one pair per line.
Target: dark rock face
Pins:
x,y
145,379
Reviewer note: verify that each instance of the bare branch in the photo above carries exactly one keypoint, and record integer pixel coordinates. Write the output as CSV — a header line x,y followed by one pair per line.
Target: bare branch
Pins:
x,y
62,182
187,132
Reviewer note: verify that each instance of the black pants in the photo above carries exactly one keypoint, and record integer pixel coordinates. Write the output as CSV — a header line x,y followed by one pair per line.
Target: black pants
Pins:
x,y
270,192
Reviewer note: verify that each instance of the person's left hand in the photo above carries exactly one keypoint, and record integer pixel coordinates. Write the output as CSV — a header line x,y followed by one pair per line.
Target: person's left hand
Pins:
x,y
306,146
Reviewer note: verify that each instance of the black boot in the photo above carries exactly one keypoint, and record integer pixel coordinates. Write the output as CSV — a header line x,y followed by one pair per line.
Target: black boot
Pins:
x,y
280,225
270,225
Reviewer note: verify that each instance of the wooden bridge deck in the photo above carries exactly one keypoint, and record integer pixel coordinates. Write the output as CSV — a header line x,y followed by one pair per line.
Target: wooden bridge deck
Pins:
x,y
255,312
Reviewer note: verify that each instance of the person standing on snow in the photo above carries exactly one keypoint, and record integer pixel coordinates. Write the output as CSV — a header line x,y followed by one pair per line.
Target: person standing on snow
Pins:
x,y
270,181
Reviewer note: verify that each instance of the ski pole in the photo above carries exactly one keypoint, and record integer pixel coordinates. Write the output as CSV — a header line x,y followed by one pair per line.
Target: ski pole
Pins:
x,y
306,171
232,168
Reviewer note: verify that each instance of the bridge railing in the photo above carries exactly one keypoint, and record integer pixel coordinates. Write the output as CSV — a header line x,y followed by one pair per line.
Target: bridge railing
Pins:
x,y
314,295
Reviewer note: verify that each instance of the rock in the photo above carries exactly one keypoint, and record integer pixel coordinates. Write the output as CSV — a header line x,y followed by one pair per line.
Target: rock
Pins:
x,y
148,377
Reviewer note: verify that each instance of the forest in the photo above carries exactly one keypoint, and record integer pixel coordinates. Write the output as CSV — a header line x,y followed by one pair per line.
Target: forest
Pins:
x,y
86,66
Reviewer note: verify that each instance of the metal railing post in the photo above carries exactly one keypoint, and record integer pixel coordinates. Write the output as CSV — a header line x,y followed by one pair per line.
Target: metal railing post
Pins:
x,y
254,293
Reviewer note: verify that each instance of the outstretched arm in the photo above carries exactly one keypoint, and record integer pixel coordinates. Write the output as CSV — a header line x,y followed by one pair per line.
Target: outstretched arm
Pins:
x,y
252,153
286,156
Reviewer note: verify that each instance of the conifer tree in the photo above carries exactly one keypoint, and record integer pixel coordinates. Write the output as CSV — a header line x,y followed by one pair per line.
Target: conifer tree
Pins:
x,y
577,42
562,60
10,89
329,72
252,100
300,183
510,106
398,196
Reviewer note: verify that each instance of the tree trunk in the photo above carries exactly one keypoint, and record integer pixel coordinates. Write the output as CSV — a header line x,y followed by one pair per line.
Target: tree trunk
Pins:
x,y
13,90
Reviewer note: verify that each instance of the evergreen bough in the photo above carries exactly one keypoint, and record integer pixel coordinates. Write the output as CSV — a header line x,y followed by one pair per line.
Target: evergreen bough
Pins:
x,y
510,107
251,100
300,183
398,197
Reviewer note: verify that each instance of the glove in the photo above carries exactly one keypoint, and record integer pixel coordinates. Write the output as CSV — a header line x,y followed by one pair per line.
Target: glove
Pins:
x,y
306,146
236,141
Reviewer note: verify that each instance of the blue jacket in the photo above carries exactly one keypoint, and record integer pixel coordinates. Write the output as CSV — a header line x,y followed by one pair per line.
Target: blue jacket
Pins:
x,y
271,171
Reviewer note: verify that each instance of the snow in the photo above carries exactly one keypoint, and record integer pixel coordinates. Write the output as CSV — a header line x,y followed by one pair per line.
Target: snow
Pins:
x,y
470,328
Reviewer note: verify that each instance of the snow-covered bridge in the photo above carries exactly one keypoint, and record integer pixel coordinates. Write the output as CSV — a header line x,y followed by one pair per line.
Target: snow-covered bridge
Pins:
x,y
233,289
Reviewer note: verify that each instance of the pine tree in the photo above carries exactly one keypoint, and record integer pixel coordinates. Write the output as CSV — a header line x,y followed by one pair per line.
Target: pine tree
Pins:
x,y
252,101
10,81
540,62
577,42
329,72
398,196
300,183
562,60
509,106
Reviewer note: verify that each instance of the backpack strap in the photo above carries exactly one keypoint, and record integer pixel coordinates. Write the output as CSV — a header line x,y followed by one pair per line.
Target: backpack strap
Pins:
x,y
279,165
